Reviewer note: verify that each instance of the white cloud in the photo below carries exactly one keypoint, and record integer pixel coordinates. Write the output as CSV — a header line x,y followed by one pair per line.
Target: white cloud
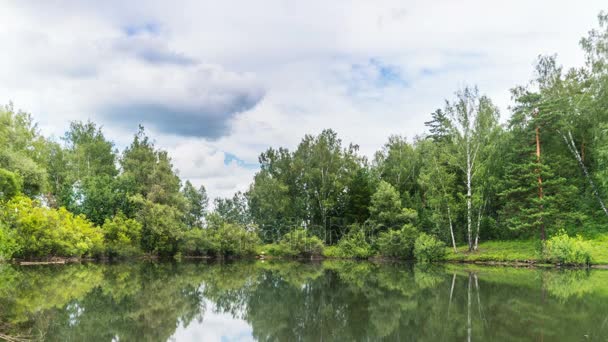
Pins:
x,y
298,67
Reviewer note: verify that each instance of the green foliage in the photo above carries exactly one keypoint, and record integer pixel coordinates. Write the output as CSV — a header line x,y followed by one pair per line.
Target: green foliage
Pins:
x,y
196,204
397,243
565,250
10,184
352,245
43,232
233,209
162,226
222,239
122,236
386,211
428,248
33,175
8,244
299,243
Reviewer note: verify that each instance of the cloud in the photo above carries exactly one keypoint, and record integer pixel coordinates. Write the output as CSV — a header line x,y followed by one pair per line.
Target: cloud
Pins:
x,y
194,101
216,83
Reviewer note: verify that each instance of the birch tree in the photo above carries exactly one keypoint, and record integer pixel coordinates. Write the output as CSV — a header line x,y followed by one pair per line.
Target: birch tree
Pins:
x,y
472,120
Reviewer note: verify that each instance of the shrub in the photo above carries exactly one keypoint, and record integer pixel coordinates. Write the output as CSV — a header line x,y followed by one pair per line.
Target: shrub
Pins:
x,y
565,250
352,245
10,184
428,248
40,232
398,243
222,239
298,243
8,245
122,236
233,240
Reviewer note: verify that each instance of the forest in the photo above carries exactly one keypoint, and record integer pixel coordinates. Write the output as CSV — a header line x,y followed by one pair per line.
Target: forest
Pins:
x,y
537,175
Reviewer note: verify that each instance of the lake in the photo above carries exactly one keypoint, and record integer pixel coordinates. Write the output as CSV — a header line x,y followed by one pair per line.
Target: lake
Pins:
x,y
295,301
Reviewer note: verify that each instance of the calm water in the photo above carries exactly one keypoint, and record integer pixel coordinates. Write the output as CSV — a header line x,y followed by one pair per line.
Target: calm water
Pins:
x,y
290,301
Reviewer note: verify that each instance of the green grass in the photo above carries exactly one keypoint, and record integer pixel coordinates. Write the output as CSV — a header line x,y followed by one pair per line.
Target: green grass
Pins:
x,y
522,251
497,251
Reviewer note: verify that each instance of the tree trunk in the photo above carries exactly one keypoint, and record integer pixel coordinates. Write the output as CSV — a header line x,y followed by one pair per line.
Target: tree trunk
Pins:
x,y
469,236
481,209
540,180
572,147
451,228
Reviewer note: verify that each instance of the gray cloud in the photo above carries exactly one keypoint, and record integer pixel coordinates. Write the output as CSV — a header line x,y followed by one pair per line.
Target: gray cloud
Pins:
x,y
208,120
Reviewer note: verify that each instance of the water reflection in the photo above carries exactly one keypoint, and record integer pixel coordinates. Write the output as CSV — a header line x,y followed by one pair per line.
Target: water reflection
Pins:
x,y
286,301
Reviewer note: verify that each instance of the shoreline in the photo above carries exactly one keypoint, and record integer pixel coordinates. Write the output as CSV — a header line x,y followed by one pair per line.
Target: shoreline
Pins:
x,y
514,264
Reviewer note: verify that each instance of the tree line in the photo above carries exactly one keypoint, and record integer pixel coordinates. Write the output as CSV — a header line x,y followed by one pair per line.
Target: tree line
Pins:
x,y
469,178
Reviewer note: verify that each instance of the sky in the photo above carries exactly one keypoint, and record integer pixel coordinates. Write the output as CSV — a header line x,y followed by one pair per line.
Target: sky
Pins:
x,y
215,83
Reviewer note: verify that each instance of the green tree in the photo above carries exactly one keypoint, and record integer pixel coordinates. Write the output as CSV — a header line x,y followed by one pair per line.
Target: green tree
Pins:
x,y
196,204
233,210
10,184
386,211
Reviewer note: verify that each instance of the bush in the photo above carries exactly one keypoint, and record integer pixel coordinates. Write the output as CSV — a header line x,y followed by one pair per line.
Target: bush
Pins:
x,y
298,243
398,243
10,184
122,236
428,248
43,232
565,250
8,245
222,239
352,245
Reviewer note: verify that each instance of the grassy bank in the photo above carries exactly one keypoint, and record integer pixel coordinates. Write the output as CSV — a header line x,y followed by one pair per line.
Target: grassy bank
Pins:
x,y
522,251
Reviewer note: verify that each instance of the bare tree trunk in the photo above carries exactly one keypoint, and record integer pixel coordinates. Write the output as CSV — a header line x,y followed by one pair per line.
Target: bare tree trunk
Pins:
x,y
481,209
445,194
572,147
540,179
469,199
451,228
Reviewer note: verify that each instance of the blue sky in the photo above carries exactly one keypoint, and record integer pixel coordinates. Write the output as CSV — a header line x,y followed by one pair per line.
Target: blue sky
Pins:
x,y
215,83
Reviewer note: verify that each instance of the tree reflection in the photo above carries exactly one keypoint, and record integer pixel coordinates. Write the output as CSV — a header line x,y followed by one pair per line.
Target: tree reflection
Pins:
x,y
330,301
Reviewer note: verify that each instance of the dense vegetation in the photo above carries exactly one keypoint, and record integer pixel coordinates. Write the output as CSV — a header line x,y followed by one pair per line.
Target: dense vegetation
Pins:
x,y
468,179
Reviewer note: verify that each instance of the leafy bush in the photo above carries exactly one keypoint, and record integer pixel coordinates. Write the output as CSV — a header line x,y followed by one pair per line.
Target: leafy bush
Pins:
x,y
298,243
428,248
565,250
398,243
8,245
352,245
222,239
42,232
10,184
122,236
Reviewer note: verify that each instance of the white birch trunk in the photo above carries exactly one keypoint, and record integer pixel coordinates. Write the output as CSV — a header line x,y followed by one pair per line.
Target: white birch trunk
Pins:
x,y
451,229
469,171
476,245
572,147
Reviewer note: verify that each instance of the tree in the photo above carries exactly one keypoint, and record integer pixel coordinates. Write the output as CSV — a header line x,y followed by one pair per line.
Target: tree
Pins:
x,y
438,181
10,184
22,150
398,164
386,211
270,206
325,169
196,204
471,121
233,210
